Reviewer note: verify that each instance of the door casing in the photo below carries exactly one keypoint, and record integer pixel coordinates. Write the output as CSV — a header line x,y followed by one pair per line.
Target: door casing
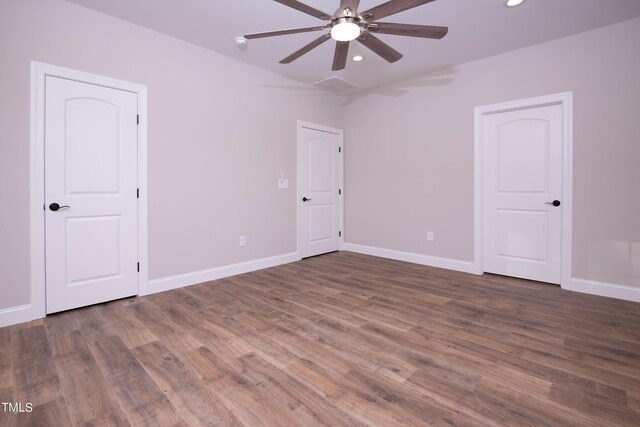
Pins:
x,y
302,125
39,72
565,100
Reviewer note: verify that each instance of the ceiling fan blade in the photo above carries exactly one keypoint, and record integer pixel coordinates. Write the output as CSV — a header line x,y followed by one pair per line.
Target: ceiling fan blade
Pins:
x,y
379,47
426,31
298,53
351,4
305,9
340,56
391,7
284,32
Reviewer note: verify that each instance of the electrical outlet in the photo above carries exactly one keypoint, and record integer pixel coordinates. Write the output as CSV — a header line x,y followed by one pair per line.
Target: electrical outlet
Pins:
x,y
430,236
243,241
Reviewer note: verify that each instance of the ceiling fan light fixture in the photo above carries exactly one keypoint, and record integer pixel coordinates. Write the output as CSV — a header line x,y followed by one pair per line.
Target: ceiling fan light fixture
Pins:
x,y
358,58
347,25
345,29
513,3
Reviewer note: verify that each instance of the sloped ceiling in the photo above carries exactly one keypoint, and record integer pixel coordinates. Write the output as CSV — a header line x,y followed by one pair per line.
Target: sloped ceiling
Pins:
x,y
477,29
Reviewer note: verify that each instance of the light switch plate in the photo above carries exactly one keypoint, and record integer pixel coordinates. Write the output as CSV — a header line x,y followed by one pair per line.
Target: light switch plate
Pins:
x,y
283,183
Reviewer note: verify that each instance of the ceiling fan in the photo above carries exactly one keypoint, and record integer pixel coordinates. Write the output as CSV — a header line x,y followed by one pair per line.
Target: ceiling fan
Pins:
x,y
348,24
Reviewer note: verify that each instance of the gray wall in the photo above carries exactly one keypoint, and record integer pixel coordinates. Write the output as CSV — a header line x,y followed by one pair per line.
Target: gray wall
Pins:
x,y
220,134
409,150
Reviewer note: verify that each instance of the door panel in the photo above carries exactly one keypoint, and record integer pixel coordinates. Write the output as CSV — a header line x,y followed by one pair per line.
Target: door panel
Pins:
x,y
524,156
321,221
523,173
322,165
515,229
92,248
91,167
319,181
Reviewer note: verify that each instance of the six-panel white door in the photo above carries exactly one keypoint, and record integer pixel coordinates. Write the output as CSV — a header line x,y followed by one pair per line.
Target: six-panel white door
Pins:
x,y
523,177
319,162
91,167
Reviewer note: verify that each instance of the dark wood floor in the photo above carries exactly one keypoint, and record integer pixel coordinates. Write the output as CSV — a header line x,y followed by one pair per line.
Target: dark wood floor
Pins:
x,y
342,339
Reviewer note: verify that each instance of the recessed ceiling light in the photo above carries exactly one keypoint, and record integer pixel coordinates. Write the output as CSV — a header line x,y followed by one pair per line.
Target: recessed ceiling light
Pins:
x,y
358,58
513,3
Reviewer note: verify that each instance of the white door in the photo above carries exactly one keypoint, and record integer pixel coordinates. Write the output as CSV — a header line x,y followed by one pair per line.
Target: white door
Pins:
x,y
91,172
523,183
320,164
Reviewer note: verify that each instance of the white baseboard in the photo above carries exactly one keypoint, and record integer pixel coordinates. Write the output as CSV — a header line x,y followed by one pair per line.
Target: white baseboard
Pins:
x,y
187,279
431,261
24,313
19,314
611,290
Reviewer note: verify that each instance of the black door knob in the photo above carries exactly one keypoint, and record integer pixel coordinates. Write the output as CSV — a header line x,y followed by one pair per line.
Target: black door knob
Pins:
x,y
304,199
555,203
55,207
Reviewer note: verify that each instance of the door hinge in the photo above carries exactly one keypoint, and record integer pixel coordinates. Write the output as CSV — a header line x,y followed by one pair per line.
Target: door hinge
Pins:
x,y
138,267
137,193
339,233
137,119
339,149
339,191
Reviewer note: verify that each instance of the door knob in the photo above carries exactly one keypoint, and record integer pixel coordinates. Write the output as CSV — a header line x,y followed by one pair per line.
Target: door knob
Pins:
x,y
555,203
55,206
304,199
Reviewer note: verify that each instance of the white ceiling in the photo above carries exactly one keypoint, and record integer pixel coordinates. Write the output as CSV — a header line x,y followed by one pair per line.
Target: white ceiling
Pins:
x,y
477,29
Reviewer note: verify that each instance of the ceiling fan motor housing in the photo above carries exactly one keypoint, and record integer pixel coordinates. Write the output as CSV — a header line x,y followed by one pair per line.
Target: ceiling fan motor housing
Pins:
x,y
348,25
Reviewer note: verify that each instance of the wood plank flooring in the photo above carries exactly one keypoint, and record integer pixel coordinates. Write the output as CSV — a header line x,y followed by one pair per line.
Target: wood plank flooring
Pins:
x,y
341,339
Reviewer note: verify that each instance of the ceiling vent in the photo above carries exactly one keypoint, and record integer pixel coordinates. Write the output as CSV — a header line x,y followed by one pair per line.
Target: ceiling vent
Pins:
x,y
336,84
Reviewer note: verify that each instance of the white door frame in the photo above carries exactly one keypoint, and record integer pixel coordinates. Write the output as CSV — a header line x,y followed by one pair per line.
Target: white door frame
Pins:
x,y
302,125
39,73
565,100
